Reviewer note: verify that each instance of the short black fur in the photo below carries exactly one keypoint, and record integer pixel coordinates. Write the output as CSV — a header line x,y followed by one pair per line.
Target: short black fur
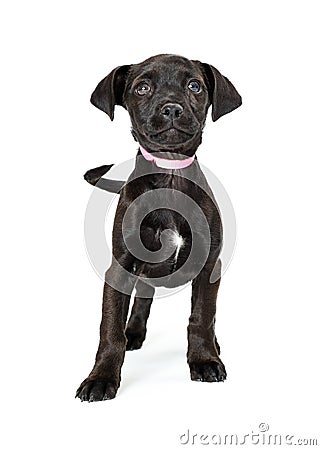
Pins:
x,y
167,118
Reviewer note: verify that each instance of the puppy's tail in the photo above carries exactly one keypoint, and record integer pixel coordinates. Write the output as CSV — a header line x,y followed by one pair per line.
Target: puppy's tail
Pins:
x,y
93,176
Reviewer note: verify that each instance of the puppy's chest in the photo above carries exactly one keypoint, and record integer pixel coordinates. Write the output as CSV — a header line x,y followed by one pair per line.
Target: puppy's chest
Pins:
x,y
164,227
161,219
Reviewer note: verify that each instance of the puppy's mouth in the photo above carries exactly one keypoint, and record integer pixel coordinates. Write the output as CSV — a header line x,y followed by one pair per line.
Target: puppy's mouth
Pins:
x,y
171,135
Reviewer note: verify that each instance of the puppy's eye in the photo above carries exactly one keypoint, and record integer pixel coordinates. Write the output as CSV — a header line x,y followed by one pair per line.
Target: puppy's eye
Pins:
x,y
142,88
195,86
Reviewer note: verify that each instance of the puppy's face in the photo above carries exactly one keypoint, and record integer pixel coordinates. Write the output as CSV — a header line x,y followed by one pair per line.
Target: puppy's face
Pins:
x,y
167,97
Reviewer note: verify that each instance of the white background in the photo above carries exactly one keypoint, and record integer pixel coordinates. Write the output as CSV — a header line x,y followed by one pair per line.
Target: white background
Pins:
x,y
267,155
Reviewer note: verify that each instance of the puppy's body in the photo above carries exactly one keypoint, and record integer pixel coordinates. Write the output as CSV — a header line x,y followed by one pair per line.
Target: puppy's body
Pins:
x,y
167,98
168,183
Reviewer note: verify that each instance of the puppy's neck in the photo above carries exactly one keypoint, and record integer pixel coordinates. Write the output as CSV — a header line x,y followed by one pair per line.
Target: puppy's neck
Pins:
x,y
165,163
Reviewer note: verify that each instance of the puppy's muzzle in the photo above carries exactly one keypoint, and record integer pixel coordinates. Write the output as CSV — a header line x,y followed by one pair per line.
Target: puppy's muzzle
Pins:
x,y
172,111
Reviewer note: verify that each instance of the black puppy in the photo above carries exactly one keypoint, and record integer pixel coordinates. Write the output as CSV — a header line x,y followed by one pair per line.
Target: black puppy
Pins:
x,y
178,222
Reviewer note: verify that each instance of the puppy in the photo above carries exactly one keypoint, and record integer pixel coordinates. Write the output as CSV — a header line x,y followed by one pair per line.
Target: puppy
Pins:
x,y
167,229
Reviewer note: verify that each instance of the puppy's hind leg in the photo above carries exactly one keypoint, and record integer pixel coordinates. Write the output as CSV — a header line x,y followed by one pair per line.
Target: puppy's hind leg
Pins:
x,y
136,327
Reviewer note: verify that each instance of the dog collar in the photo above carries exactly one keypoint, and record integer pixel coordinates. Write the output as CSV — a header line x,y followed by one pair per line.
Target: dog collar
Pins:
x,y
164,163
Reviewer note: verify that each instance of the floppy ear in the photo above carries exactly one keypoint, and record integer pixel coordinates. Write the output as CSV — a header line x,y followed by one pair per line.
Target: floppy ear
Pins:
x,y
109,92
225,97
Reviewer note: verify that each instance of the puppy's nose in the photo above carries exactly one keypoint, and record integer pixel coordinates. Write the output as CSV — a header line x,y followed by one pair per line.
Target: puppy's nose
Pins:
x,y
172,110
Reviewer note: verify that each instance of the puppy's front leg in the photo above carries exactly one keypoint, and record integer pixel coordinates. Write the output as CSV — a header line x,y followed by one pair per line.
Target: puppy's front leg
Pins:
x,y
203,352
103,381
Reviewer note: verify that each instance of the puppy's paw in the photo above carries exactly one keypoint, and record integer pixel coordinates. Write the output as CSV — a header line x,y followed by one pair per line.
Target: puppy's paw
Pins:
x,y
134,341
95,390
208,371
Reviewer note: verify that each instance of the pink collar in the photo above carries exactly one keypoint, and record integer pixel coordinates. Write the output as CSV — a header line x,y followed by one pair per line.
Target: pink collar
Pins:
x,y
164,163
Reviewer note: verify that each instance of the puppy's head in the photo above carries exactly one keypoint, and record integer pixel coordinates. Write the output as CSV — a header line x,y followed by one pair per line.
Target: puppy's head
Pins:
x,y
167,98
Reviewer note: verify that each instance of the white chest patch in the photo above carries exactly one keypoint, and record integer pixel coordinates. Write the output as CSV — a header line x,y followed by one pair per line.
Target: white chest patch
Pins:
x,y
178,242
175,240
